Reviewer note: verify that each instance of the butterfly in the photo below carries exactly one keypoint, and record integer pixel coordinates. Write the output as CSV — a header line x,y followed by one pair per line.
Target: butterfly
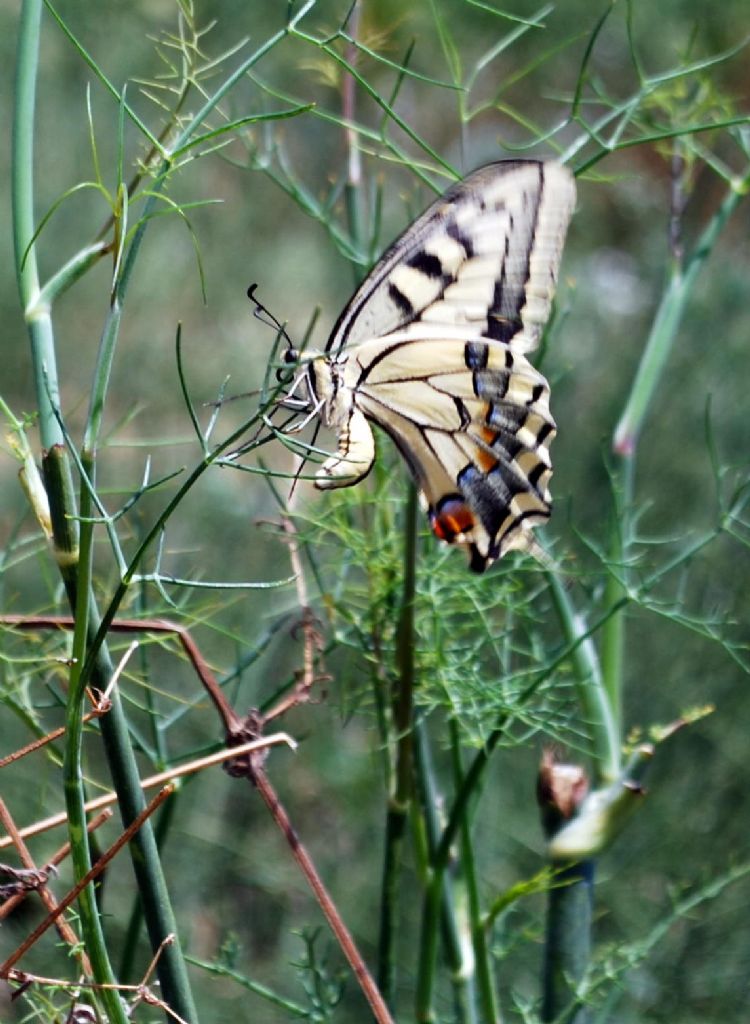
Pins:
x,y
432,348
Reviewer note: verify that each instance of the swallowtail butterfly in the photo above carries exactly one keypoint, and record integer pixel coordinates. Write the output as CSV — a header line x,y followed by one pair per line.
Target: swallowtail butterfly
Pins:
x,y
432,348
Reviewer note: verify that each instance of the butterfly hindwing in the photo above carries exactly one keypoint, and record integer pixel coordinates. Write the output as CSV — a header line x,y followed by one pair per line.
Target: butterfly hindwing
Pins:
x,y
475,434
432,348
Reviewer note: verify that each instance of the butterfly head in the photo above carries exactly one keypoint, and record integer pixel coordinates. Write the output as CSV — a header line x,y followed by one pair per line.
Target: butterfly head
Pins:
x,y
318,383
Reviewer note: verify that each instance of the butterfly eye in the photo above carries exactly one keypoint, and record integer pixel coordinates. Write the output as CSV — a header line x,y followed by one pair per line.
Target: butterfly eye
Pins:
x,y
290,357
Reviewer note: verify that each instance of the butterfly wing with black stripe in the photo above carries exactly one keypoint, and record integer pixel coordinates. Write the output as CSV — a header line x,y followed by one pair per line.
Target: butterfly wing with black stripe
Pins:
x,y
484,255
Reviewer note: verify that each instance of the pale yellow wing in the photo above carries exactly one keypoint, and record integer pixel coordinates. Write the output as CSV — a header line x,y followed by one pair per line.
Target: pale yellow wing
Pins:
x,y
472,421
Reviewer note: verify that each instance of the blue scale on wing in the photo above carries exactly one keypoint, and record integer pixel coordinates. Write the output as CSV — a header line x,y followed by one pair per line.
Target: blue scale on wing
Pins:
x,y
505,483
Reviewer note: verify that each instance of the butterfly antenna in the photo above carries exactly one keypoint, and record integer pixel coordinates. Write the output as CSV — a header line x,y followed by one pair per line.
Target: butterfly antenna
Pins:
x,y
266,317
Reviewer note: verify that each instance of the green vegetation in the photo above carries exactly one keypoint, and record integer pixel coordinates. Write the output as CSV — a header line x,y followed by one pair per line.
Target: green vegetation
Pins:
x,y
164,158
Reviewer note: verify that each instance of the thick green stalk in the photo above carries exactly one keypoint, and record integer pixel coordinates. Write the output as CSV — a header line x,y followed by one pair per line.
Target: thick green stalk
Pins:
x,y
613,630
403,707
128,961
679,289
485,981
152,887
395,829
593,698
648,378
400,799
428,948
147,865
567,949
431,909
677,293
453,919
22,185
72,764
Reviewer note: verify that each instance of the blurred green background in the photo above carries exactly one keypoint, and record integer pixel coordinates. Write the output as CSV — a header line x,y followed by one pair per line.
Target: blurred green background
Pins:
x,y
227,866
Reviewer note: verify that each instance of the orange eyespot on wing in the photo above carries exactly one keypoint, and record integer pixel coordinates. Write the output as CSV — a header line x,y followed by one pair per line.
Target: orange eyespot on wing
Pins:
x,y
454,522
451,519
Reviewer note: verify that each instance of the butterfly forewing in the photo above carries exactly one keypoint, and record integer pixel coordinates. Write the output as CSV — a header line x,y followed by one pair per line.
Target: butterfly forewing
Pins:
x,y
432,348
485,255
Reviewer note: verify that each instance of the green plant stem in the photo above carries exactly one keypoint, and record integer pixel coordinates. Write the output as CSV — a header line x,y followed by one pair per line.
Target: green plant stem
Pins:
x,y
395,830
678,291
160,920
428,947
100,383
615,593
431,906
403,786
680,287
453,925
485,981
93,664
72,764
127,972
567,948
403,707
593,698
38,319
450,923
152,887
